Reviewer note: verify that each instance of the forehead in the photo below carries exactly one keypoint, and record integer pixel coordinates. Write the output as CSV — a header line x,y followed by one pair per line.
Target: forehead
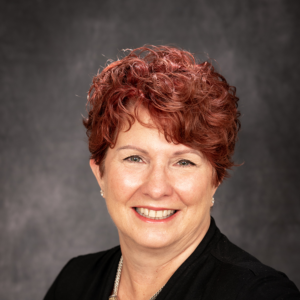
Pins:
x,y
147,138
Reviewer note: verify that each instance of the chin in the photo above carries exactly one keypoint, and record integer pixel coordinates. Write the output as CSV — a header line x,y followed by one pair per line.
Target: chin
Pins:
x,y
154,240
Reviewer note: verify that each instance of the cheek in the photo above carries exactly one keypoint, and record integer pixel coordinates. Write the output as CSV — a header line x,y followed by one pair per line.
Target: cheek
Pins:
x,y
195,189
122,183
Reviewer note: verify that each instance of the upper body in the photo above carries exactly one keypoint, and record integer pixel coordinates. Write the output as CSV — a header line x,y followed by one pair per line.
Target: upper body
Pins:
x,y
162,129
217,269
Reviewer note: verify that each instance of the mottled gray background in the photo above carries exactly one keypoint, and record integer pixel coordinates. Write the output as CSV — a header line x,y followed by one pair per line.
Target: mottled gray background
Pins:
x,y
50,207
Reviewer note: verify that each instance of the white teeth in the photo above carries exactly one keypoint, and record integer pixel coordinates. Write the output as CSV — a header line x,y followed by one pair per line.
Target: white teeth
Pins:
x,y
159,213
154,214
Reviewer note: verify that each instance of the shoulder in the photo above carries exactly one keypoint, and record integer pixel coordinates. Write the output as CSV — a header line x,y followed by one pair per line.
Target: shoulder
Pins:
x,y
81,273
92,260
247,276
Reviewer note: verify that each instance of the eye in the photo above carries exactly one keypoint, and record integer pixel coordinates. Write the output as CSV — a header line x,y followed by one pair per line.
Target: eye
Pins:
x,y
185,163
134,158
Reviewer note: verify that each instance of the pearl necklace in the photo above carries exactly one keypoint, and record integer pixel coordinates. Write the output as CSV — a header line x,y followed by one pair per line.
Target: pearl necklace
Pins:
x,y
114,296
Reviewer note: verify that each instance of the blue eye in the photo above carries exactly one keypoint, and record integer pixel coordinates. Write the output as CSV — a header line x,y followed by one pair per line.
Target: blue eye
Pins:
x,y
185,163
133,158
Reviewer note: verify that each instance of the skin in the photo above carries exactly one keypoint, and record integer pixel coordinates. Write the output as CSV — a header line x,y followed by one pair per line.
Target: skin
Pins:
x,y
144,170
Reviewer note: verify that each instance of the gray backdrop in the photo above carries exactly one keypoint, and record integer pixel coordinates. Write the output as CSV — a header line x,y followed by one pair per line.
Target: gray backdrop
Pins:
x,y
51,209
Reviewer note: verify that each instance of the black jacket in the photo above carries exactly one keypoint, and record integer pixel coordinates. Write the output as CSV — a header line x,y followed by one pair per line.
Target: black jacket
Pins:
x,y
216,270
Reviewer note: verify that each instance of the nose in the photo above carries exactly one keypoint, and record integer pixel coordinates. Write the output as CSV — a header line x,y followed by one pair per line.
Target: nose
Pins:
x,y
157,184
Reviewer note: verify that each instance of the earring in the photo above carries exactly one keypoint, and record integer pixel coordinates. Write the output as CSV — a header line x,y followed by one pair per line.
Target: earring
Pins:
x,y
213,200
101,193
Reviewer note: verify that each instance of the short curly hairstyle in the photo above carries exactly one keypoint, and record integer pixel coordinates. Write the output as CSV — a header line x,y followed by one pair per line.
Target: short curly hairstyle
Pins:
x,y
187,100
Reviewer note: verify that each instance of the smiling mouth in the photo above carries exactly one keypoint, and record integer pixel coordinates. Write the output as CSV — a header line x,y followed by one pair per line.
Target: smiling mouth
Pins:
x,y
155,214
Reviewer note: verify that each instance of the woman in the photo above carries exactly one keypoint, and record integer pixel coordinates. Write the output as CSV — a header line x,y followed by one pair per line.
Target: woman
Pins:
x,y
162,130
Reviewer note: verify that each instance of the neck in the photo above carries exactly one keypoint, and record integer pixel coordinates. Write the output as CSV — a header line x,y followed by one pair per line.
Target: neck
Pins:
x,y
146,270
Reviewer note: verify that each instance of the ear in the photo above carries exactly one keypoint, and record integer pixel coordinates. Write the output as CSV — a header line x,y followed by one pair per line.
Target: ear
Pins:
x,y
96,171
213,193
215,188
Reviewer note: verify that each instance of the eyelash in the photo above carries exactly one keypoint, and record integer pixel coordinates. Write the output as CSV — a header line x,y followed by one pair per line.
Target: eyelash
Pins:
x,y
189,163
133,156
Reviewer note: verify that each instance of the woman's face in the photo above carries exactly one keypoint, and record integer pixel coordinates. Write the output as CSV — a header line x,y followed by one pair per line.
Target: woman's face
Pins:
x,y
158,194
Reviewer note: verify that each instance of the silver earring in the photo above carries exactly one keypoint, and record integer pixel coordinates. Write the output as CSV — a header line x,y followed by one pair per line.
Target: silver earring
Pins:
x,y
213,200
101,193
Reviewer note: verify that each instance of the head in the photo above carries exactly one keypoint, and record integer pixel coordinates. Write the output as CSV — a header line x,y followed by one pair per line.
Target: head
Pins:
x,y
162,130
187,100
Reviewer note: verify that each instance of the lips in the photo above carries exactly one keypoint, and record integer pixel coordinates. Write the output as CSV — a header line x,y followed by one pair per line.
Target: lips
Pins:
x,y
155,214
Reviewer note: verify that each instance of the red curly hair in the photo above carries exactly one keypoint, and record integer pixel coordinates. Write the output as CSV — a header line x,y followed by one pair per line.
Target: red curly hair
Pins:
x,y
188,101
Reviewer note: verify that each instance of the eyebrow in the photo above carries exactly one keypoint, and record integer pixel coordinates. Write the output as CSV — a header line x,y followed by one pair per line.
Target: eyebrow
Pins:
x,y
133,148
180,152
188,151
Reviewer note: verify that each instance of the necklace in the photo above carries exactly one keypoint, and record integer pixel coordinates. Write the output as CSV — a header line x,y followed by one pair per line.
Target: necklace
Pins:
x,y
114,296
